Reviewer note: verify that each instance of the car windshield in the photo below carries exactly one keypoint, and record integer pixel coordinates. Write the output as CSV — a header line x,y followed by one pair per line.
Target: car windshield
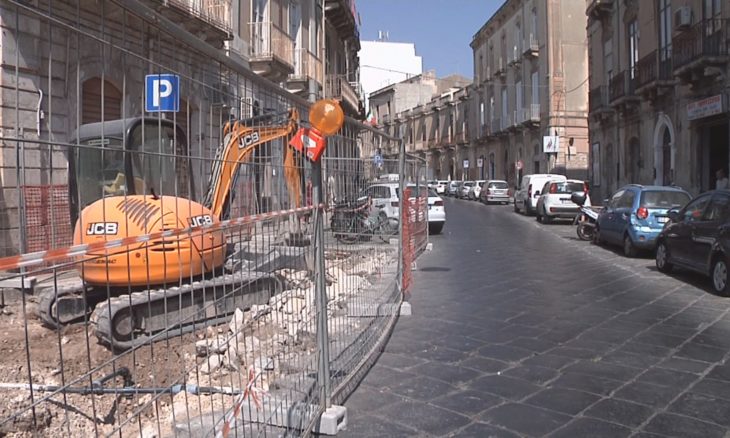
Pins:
x,y
498,185
468,184
566,187
663,199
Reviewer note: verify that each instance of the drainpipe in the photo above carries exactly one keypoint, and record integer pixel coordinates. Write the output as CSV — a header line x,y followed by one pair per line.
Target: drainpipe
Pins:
x,y
39,115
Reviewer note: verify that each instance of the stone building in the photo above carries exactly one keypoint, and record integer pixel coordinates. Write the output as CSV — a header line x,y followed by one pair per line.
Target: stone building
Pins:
x,y
659,92
88,63
530,82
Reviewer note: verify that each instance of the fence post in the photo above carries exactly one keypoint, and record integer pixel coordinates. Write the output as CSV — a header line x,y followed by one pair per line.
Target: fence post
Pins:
x,y
402,208
320,286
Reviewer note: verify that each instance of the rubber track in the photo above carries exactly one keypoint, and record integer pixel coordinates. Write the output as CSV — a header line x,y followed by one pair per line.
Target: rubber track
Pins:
x,y
49,294
104,313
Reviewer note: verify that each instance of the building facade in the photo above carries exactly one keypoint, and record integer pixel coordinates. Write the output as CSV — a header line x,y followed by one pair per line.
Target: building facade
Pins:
x,y
659,92
56,76
530,90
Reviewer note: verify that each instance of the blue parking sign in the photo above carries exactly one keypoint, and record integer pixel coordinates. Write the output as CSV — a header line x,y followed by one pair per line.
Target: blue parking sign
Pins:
x,y
162,93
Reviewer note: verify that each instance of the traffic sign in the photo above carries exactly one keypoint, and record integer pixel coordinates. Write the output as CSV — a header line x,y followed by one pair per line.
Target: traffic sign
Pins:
x,y
480,162
378,160
466,164
162,93
519,165
551,144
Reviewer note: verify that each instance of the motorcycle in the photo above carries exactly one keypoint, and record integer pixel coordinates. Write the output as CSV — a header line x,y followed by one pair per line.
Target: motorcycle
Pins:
x,y
586,219
352,221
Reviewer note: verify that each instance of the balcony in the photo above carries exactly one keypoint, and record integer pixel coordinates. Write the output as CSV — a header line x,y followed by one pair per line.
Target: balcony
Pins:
x,y
306,67
598,102
514,120
532,47
339,88
485,131
622,89
211,18
500,68
703,45
599,9
272,51
531,115
342,14
515,57
653,75
460,137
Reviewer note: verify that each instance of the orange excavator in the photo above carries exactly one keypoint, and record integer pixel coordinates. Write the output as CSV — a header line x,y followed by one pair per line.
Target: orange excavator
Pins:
x,y
142,181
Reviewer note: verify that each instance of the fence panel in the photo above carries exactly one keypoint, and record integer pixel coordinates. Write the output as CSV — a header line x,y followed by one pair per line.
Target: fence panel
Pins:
x,y
174,253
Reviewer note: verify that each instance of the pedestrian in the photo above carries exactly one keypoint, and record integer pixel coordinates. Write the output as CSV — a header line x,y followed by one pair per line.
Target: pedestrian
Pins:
x,y
722,181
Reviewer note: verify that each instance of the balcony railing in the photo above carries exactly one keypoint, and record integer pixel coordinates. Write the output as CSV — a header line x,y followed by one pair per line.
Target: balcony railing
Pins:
x,y
307,65
622,85
496,126
646,69
598,99
214,12
499,67
706,39
486,130
270,41
531,114
532,47
505,123
339,88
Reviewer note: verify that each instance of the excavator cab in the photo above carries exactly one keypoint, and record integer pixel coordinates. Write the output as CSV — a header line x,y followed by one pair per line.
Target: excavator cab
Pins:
x,y
134,156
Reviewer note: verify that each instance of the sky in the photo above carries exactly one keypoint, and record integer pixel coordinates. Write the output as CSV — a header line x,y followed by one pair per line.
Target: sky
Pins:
x,y
440,29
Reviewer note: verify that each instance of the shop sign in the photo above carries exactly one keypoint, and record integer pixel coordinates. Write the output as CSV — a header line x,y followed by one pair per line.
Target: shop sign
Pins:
x,y
700,109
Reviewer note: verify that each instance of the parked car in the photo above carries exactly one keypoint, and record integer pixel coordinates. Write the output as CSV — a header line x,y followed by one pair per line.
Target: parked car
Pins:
x,y
555,202
634,216
494,191
384,198
453,188
464,189
432,184
475,190
441,187
436,211
696,238
528,193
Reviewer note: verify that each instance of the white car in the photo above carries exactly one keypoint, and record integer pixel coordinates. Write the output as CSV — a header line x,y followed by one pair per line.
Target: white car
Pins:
x,y
476,189
528,193
441,187
385,198
555,203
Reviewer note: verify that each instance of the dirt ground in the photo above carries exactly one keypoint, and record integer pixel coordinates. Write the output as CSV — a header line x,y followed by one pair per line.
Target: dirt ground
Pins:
x,y
60,357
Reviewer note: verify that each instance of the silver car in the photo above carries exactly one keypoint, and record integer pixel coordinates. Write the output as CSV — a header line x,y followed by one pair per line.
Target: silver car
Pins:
x,y
495,191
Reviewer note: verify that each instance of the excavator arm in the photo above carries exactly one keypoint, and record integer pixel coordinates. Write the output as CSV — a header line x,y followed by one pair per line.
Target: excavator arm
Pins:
x,y
238,145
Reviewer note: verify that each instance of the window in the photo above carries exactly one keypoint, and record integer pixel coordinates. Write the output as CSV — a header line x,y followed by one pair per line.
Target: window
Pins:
x,y
491,108
480,72
534,24
481,113
633,48
518,96
535,88
693,211
627,200
665,30
613,203
663,199
718,208
504,103
711,13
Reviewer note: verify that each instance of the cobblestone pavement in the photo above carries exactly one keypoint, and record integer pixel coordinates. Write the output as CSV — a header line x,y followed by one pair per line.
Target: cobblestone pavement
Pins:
x,y
520,329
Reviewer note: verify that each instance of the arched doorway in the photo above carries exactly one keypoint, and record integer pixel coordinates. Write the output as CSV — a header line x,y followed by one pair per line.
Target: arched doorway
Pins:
x,y
664,141
100,100
633,161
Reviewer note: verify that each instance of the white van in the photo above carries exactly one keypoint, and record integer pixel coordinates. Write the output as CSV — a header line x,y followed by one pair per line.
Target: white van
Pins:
x,y
528,193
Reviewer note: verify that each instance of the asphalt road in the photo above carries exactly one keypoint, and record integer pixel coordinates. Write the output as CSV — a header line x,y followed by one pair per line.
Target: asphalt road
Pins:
x,y
520,329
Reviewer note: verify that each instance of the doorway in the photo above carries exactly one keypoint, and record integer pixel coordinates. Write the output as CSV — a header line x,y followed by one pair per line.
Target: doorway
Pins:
x,y
667,158
715,153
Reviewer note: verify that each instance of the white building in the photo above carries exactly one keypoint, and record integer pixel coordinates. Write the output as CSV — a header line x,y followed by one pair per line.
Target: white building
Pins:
x,y
383,63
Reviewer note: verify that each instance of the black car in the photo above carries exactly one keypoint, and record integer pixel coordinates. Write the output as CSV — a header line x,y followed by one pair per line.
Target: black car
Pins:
x,y
697,238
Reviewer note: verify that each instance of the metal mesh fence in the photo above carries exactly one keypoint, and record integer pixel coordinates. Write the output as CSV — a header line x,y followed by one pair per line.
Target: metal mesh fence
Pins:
x,y
178,273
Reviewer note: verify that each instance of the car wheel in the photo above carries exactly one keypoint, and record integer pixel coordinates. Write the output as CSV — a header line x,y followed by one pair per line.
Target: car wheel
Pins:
x,y
545,218
505,203
435,228
597,236
662,258
629,248
720,275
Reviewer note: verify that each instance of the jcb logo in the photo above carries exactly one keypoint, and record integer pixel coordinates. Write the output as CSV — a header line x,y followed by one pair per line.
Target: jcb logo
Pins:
x,y
249,139
102,228
199,221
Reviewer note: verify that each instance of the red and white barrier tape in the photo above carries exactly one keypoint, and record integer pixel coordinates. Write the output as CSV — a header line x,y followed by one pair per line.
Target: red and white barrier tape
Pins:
x,y
250,391
54,255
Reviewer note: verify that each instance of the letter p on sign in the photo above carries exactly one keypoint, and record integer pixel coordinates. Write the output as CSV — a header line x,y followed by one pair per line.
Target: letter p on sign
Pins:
x,y
162,93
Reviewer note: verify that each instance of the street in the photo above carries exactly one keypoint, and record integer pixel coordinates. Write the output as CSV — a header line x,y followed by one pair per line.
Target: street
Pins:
x,y
520,329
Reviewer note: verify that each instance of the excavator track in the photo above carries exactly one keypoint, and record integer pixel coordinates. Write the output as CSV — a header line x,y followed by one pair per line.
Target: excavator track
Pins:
x,y
130,320
66,298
